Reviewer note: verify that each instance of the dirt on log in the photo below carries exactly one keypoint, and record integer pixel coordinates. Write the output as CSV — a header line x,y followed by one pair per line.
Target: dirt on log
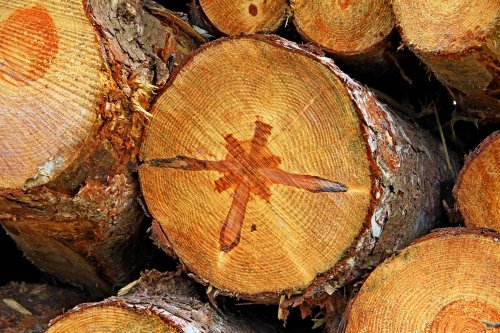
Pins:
x,y
275,177
74,115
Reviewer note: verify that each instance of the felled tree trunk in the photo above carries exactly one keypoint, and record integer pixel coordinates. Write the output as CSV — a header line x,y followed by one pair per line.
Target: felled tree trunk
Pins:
x,y
270,172
458,40
444,282
231,17
73,120
477,191
157,303
29,307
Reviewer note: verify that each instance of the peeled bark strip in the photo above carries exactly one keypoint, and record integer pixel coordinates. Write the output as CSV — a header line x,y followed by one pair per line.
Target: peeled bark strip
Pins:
x,y
157,303
270,172
344,27
70,131
241,16
477,191
447,281
459,41
29,307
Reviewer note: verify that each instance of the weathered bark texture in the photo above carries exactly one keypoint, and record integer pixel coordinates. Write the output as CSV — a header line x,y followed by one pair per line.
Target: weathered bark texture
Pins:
x,y
283,233
79,218
477,191
445,282
156,303
459,41
28,307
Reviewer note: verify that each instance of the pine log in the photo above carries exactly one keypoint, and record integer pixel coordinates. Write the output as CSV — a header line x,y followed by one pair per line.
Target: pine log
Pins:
x,y
29,307
477,191
231,17
447,281
70,131
269,172
459,41
344,27
160,303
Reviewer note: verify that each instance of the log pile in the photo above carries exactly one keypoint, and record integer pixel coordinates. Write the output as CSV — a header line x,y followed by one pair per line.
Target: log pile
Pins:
x,y
268,173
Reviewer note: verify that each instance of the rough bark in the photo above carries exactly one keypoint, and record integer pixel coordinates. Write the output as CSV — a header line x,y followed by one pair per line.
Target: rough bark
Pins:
x,y
459,42
478,185
404,169
444,282
28,307
79,218
159,303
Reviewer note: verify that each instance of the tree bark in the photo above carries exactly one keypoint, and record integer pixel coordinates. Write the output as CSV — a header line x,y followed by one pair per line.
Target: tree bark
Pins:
x,y
274,177
478,185
444,282
28,307
459,42
68,194
157,303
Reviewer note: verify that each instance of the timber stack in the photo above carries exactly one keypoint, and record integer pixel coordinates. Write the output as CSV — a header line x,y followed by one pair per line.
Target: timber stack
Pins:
x,y
231,136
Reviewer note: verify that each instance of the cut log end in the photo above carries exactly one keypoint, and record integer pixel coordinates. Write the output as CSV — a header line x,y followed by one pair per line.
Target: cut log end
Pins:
x,y
234,17
446,28
115,316
445,282
259,179
44,50
478,185
344,27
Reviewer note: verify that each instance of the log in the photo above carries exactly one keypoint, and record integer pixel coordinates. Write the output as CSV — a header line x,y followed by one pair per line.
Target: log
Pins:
x,y
270,172
26,307
445,282
345,27
232,17
73,122
477,191
458,40
156,303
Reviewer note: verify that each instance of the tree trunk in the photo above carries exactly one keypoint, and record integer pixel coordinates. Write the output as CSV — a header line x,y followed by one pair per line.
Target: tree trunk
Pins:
x,y
73,126
29,307
459,41
156,303
447,281
270,172
231,17
478,185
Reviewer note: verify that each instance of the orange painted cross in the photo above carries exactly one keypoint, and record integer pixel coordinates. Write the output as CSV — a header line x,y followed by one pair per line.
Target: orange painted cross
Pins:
x,y
249,168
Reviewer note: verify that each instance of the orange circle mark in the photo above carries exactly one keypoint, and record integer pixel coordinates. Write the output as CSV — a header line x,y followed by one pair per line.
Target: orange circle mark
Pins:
x,y
28,44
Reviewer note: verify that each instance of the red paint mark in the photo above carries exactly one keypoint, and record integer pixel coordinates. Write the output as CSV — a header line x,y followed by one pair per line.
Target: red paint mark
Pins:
x,y
320,25
252,9
28,44
344,4
249,168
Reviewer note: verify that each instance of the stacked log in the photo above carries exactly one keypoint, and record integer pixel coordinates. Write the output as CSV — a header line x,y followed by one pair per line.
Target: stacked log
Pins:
x,y
269,172
478,185
71,133
444,282
458,40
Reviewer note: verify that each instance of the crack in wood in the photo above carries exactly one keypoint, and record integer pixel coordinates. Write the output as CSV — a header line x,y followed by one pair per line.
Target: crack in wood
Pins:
x,y
249,168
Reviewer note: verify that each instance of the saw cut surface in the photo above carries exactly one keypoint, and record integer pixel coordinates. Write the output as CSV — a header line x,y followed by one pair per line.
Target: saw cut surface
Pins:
x,y
49,86
447,27
256,167
113,318
243,16
478,186
343,26
447,282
